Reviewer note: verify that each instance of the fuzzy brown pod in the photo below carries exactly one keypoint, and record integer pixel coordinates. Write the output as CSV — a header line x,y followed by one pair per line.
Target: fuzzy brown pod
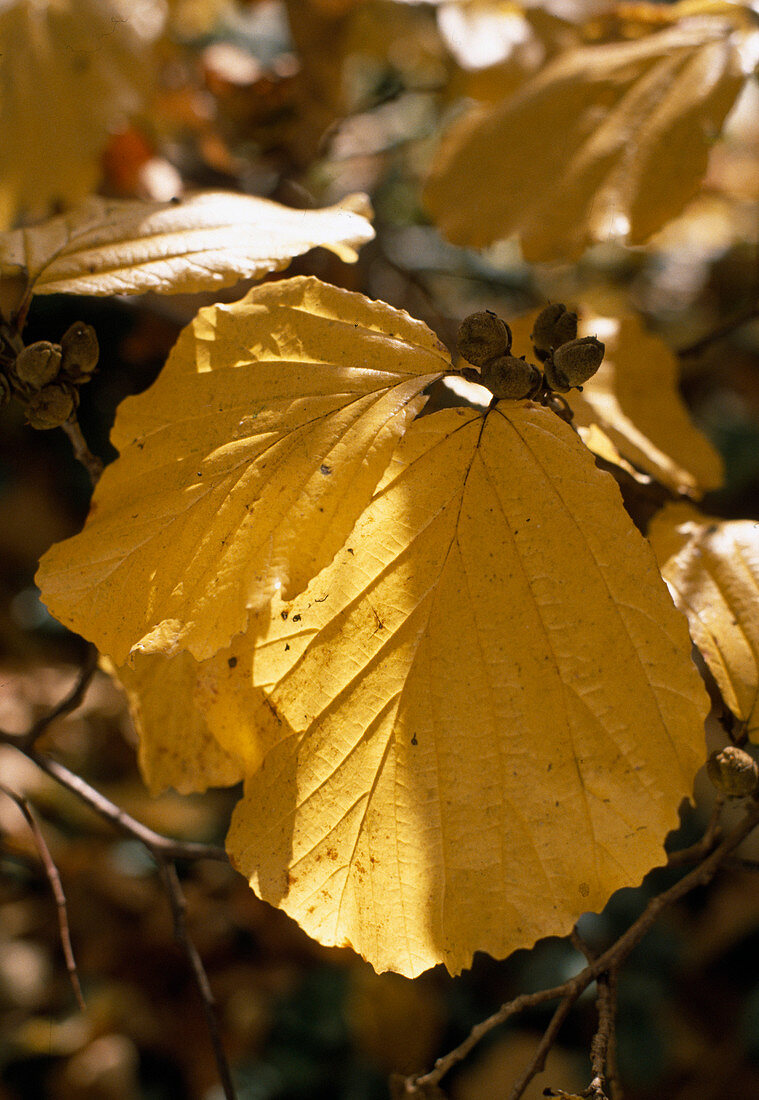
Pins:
x,y
483,336
51,407
555,325
38,364
80,351
510,377
733,772
574,363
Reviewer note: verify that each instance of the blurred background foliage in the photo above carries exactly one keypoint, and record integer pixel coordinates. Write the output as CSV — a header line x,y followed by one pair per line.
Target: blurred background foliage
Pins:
x,y
304,101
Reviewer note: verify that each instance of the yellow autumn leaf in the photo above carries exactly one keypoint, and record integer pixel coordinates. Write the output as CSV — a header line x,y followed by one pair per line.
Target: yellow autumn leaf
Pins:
x,y
176,747
481,718
69,71
606,143
243,468
213,239
712,569
632,405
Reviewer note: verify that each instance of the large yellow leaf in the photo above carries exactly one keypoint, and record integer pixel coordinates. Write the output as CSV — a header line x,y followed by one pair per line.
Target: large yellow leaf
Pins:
x,y
712,569
69,70
634,400
607,142
481,718
216,238
243,468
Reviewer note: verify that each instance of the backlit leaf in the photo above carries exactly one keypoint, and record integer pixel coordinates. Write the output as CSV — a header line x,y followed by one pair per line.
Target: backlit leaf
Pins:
x,y
213,239
634,400
606,143
481,718
69,71
176,747
243,468
712,569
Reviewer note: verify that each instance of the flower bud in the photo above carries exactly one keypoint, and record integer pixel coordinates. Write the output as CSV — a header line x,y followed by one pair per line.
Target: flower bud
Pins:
x,y
482,337
38,364
509,377
79,345
51,407
554,326
574,363
733,772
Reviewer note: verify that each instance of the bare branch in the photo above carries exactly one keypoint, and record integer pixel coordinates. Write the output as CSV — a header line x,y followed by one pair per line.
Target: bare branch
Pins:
x,y
748,314
82,453
161,847
538,1061
610,960
178,911
707,843
67,704
56,886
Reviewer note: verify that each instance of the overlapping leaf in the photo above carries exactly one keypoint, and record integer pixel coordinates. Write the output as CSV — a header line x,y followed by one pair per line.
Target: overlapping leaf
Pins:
x,y
216,238
69,70
608,142
481,718
712,569
632,406
243,468
176,747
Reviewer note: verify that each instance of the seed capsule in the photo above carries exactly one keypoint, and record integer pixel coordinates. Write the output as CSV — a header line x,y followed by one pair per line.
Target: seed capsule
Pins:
x,y
79,346
38,364
482,337
733,772
51,407
509,377
574,363
554,326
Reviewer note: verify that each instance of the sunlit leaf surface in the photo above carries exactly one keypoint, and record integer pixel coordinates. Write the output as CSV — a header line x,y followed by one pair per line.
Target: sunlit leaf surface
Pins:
x,y
606,143
712,569
243,468
481,718
213,239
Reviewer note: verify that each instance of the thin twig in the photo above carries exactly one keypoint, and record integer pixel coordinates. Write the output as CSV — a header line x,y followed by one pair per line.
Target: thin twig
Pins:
x,y
161,847
56,886
66,705
613,1084
538,1061
92,464
599,1047
707,843
738,321
613,957
736,864
603,1045
181,935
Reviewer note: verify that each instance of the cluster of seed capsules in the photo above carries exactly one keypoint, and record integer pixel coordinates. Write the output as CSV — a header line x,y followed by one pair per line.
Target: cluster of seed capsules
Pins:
x,y
566,361
46,377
